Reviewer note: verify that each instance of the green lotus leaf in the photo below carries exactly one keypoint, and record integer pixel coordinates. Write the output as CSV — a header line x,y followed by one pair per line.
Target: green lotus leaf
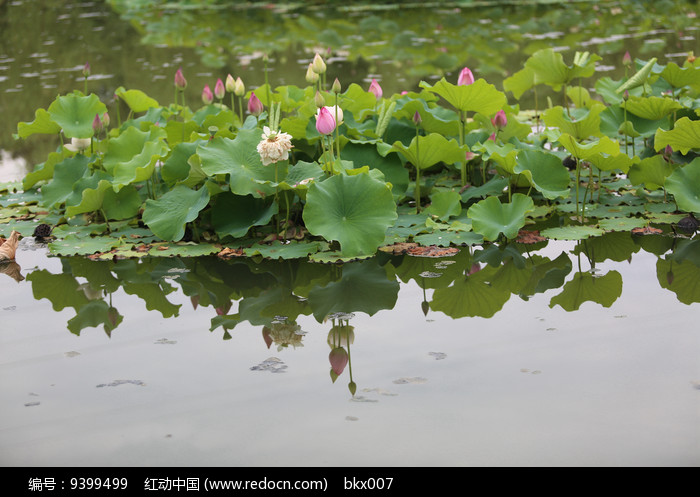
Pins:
x,y
44,171
435,119
75,113
502,154
549,68
426,151
544,171
124,204
650,172
585,287
354,210
42,124
684,136
66,175
684,185
571,232
366,154
652,108
239,159
176,167
131,157
480,96
90,199
622,223
639,78
137,100
167,216
83,245
182,249
583,123
520,82
233,215
678,77
279,250
358,101
491,218
445,204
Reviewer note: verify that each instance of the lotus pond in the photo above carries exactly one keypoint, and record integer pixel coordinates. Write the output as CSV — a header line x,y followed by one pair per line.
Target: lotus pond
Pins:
x,y
373,246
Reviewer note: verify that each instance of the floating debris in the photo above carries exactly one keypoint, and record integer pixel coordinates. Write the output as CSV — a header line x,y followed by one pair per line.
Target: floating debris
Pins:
x,y
360,398
525,370
31,404
271,364
430,274
415,379
165,341
116,383
71,353
10,308
351,418
380,391
438,355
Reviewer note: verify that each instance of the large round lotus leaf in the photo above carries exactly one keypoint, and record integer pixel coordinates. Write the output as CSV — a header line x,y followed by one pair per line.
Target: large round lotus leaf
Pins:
x,y
354,210
490,217
684,184
168,215
75,114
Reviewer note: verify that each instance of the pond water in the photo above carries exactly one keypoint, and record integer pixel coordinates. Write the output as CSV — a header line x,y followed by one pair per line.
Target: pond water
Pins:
x,y
552,354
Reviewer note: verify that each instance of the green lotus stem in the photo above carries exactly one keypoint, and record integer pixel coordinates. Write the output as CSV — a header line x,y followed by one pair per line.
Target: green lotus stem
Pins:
x,y
462,125
417,191
337,133
578,180
233,107
277,199
240,109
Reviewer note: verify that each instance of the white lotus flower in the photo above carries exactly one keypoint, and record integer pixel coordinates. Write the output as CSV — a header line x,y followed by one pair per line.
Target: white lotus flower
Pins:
x,y
274,146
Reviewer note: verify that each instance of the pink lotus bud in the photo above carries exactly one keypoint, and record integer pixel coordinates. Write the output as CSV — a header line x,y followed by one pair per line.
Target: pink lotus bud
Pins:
x,y
180,81
492,137
219,89
465,77
105,120
469,156
230,83
325,123
416,118
500,120
207,96
338,359
627,59
376,89
97,124
255,106
86,69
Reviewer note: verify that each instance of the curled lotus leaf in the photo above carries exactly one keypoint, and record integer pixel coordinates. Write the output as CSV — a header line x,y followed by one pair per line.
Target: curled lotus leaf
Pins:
x,y
75,113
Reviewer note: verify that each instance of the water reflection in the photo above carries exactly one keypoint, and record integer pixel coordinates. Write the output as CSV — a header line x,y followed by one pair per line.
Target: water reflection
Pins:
x,y
273,295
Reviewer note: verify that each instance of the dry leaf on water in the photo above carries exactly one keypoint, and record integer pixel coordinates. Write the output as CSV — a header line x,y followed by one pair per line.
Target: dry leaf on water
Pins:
x,y
9,247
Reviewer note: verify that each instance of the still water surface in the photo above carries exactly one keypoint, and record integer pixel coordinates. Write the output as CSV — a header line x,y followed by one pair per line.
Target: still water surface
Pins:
x,y
531,385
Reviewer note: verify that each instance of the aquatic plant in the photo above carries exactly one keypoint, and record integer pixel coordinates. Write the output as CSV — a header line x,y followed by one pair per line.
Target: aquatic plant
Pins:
x,y
352,166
